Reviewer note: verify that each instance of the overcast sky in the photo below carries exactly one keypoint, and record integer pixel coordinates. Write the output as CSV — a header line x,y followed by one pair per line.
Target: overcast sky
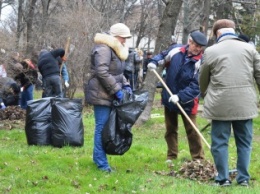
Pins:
x,y
5,12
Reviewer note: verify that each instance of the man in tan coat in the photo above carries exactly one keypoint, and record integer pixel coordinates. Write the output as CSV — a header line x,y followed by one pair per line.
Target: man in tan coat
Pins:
x,y
227,75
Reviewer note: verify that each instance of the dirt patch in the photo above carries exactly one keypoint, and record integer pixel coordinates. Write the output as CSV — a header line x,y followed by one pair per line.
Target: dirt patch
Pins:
x,y
12,124
12,117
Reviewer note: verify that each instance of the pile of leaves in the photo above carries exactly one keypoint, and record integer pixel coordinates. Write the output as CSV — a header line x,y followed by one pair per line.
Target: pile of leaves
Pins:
x,y
199,170
12,113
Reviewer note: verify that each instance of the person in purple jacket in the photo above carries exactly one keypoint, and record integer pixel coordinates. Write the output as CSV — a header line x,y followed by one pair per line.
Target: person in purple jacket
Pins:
x,y
182,63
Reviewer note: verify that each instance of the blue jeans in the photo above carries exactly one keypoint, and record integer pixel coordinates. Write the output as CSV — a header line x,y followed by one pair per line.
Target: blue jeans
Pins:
x,y
101,114
220,134
26,95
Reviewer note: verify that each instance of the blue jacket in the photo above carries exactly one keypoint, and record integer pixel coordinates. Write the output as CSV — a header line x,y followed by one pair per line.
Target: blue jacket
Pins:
x,y
64,73
181,78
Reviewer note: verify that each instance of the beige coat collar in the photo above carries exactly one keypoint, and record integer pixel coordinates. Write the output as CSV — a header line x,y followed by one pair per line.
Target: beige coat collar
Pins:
x,y
120,50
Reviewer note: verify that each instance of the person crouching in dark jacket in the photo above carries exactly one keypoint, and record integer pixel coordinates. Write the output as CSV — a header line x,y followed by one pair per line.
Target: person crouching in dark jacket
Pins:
x,y
9,92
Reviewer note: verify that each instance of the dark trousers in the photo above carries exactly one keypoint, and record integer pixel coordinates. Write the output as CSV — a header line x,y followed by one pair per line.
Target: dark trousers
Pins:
x,y
132,78
171,135
52,86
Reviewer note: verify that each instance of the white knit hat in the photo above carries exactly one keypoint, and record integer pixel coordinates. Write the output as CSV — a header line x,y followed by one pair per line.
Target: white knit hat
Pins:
x,y
120,30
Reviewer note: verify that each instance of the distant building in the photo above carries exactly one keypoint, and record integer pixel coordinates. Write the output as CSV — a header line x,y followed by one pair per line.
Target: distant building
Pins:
x,y
143,44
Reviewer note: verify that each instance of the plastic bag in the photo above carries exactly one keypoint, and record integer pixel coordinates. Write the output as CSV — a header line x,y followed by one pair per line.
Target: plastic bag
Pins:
x,y
38,122
67,125
54,121
116,135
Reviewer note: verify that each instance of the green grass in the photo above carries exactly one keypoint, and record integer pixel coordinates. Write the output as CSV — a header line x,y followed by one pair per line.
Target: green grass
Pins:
x,y
45,169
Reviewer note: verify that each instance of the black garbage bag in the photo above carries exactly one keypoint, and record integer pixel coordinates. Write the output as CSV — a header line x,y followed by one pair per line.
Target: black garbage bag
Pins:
x,y
116,135
67,125
38,122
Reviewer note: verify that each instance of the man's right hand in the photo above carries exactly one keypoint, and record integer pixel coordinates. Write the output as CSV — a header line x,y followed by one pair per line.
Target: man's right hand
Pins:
x,y
174,99
151,66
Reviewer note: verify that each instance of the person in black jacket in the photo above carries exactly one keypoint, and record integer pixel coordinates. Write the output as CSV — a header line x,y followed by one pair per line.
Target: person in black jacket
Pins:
x,y
48,66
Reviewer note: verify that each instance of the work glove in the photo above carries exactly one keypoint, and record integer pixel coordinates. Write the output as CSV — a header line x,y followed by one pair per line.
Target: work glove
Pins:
x,y
64,58
119,95
151,66
128,89
2,105
67,84
174,99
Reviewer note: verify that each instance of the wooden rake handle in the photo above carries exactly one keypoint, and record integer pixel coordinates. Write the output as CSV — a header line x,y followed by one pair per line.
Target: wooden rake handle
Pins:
x,y
179,106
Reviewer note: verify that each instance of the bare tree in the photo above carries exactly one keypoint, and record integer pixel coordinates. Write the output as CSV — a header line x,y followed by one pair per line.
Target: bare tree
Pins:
x,y
167,23
205,17
192,12
29,25
142,19
19,23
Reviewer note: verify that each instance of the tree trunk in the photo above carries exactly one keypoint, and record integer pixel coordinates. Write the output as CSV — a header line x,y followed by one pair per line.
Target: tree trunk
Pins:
x,y
0,8
29,24
167,23
19,24
205,22
45,9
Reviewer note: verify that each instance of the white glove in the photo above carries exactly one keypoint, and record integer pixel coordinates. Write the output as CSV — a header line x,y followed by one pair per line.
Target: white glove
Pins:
x,y
67,84
151,66
174,99
2,105
21,89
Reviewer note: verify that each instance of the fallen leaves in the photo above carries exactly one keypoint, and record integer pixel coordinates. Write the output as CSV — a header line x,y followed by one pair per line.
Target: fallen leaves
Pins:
x,y
199,170
12,113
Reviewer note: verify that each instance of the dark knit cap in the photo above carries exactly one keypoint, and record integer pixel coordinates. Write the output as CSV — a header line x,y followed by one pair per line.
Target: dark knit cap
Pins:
x,y
199,38
58,52
15,88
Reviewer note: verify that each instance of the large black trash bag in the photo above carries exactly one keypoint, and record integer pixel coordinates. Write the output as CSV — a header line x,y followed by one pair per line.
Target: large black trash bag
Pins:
x,y
38,122
67,125
116,135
